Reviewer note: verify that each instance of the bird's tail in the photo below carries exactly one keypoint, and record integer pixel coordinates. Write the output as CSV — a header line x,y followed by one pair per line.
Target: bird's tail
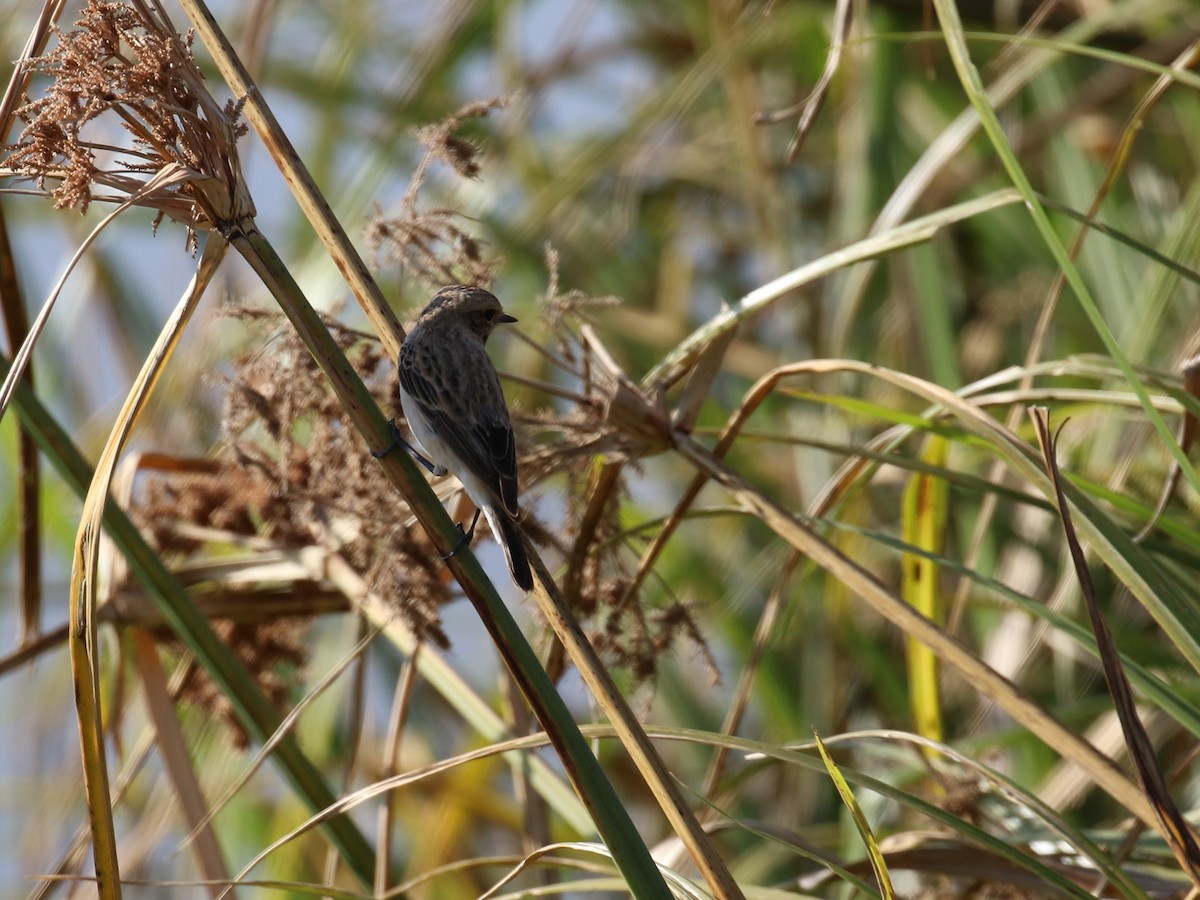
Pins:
x,y
508,534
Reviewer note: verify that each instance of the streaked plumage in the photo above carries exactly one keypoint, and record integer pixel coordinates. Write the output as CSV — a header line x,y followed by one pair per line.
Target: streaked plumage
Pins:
x,y
455,406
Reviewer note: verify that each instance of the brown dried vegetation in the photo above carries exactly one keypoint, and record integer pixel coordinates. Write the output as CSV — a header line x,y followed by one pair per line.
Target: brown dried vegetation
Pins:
x,y
126,63
430,244
292,469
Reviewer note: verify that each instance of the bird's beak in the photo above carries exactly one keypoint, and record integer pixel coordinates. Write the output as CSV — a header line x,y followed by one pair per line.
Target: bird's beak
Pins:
x,y
506,319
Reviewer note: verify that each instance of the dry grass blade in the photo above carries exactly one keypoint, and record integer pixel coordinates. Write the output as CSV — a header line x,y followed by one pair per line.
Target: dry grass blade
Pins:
x,y
355,718
602,485
745,686
658,778
397,720
412,776
534,857
682,887
880,598
1174,827
697,390
441,676
31,650
84,660
72,857
736,422
176,760
810,106
95,766
293,888
583,886
201,826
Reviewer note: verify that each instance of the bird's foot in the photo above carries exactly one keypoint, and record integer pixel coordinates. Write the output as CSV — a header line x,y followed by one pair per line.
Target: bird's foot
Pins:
x,y
465,537
399,441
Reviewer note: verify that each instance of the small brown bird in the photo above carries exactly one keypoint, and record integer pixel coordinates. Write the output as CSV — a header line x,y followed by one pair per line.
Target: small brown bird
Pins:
x,y
455,406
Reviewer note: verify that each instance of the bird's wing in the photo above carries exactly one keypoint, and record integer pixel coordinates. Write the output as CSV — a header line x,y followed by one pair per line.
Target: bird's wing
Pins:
x,y
464,404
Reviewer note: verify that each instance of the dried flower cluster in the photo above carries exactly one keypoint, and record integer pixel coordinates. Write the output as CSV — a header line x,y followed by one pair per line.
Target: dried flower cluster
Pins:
x,y
430,244
564,312
273,652
126,63
294,469
626,632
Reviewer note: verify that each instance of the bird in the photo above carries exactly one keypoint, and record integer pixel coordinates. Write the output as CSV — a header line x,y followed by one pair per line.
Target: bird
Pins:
x,y
455,407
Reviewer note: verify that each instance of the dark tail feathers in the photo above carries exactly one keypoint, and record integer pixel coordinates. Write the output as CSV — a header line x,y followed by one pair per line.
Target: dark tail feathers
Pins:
x,y
514,549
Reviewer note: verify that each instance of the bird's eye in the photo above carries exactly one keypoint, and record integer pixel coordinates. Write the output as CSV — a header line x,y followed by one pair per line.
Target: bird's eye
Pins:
x,y
490,315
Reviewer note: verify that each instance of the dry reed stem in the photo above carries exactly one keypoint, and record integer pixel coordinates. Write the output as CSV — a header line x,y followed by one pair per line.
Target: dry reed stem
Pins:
x,y
82,635
314,205
1177,831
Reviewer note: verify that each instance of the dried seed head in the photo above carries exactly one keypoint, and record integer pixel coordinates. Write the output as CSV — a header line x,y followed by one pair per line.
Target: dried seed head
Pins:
x,y
443,143
431,244
293,470
126,63
614,418
272,651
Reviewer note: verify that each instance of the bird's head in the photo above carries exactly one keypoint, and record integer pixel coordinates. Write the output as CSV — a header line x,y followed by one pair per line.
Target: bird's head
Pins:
x,y
473,307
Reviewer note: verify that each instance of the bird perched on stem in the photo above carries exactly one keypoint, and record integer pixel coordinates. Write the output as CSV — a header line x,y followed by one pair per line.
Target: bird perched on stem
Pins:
x,y
454,404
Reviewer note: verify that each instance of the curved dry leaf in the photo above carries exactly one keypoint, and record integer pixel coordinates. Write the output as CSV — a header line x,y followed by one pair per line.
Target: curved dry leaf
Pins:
x,y
1174,827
